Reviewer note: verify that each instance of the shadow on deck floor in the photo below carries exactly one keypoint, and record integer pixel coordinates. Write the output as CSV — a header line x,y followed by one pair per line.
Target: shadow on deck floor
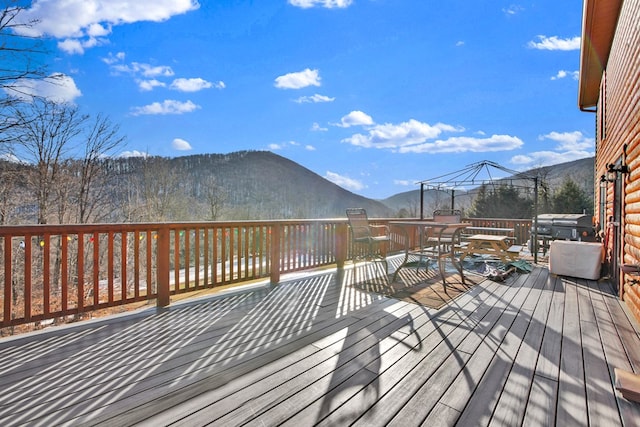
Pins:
x,y
534,350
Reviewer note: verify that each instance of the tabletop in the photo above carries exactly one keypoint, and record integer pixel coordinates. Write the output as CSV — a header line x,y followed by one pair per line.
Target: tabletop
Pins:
x,y
418,223
488,238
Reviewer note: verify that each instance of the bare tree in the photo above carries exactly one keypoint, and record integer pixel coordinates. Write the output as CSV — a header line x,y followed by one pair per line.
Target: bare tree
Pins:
x,y
101,141
45,136
214,197
20,58
161,194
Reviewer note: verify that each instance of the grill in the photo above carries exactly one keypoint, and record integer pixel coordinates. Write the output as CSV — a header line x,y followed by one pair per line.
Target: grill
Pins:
x,y
565,227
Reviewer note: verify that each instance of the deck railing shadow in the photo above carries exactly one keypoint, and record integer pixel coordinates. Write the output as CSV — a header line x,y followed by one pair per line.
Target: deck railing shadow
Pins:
x,y
186,350
212,357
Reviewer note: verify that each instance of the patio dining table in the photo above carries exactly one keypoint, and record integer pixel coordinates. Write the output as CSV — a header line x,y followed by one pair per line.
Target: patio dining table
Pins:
x,y
438,240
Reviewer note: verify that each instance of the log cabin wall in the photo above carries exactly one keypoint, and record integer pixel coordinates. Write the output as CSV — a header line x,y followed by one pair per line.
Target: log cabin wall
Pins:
x,y
618,141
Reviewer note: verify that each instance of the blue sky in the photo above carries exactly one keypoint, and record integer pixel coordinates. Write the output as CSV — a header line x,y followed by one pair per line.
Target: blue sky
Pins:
x,y
373,95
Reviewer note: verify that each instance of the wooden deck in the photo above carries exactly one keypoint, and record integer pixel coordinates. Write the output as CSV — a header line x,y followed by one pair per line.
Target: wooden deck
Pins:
x,y
537,350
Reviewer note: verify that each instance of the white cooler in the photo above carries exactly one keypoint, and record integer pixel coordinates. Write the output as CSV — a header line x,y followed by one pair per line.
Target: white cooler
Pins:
x,y
576,259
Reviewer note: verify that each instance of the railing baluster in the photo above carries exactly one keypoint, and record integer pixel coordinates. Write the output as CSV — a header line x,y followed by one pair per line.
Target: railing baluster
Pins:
x,y
28,286
163,267
123,266
46,271
205,257
96,270
151,237
64,282
80,272
110,255
187,258
7,278
196,258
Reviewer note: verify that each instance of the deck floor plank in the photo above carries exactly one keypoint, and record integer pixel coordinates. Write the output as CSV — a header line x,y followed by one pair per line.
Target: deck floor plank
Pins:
x,y
611,344
480,406
515,394
571,408
601,402
428,394
322,408
463,387
397,373
315,350
348,356
217,403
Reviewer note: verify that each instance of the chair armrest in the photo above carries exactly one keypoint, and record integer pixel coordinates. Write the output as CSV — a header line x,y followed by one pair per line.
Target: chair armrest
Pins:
x,y
375,230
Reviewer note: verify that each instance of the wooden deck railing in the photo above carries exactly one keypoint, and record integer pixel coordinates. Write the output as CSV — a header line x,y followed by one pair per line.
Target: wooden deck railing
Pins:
x,y
62,271
521,227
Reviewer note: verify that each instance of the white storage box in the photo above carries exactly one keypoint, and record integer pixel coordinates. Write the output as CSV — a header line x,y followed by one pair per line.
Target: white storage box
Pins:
x,y
576,259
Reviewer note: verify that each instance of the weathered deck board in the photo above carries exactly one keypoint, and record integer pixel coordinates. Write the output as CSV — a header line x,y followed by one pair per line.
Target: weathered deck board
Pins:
x,y
536,350
572,399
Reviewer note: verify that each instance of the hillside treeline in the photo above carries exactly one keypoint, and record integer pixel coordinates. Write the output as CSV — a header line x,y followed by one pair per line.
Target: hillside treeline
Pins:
x,y
237,186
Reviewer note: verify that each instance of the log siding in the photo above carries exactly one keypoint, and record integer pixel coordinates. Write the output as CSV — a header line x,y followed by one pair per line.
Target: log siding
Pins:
x,y
618,140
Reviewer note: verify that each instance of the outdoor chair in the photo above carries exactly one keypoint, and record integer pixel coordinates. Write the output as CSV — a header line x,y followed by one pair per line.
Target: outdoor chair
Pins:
x,y
369,241
440,246
447,215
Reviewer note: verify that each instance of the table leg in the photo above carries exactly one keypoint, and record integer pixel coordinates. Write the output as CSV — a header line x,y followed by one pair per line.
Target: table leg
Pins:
x,y
406,254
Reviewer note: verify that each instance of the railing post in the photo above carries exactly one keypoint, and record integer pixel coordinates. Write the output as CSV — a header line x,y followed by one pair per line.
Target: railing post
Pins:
x,y
276,235
342,239
163,266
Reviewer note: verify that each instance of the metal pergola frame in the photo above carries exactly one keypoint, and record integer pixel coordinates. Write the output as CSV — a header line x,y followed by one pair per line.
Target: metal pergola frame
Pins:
x,y
476,175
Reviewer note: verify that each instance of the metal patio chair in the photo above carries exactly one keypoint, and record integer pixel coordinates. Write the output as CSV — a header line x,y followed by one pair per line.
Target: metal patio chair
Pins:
x,y
369,241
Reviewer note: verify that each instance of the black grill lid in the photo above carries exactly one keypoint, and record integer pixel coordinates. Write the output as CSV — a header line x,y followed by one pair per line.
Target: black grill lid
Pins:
x,y
572,220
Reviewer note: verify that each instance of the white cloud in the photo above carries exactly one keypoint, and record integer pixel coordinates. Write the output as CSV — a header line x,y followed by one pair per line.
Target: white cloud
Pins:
x,y
555,43
281,146
84,20
317,128
355,118
147,85
344,181
513,9
309,147
147,74
562,74
571,146
329,4
191,85
460,43
145,70
76,46
404,182
168,106
314,99
113,59
464,144
180,144
547,158
570,141
134,153
298,80
404,137
56,87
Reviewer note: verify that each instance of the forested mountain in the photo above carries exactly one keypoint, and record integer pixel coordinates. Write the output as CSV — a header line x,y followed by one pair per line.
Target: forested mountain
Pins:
x,y
235,186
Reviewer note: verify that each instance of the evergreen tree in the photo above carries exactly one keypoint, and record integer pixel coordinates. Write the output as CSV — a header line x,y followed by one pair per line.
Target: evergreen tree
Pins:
x,y
571,199
504,201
